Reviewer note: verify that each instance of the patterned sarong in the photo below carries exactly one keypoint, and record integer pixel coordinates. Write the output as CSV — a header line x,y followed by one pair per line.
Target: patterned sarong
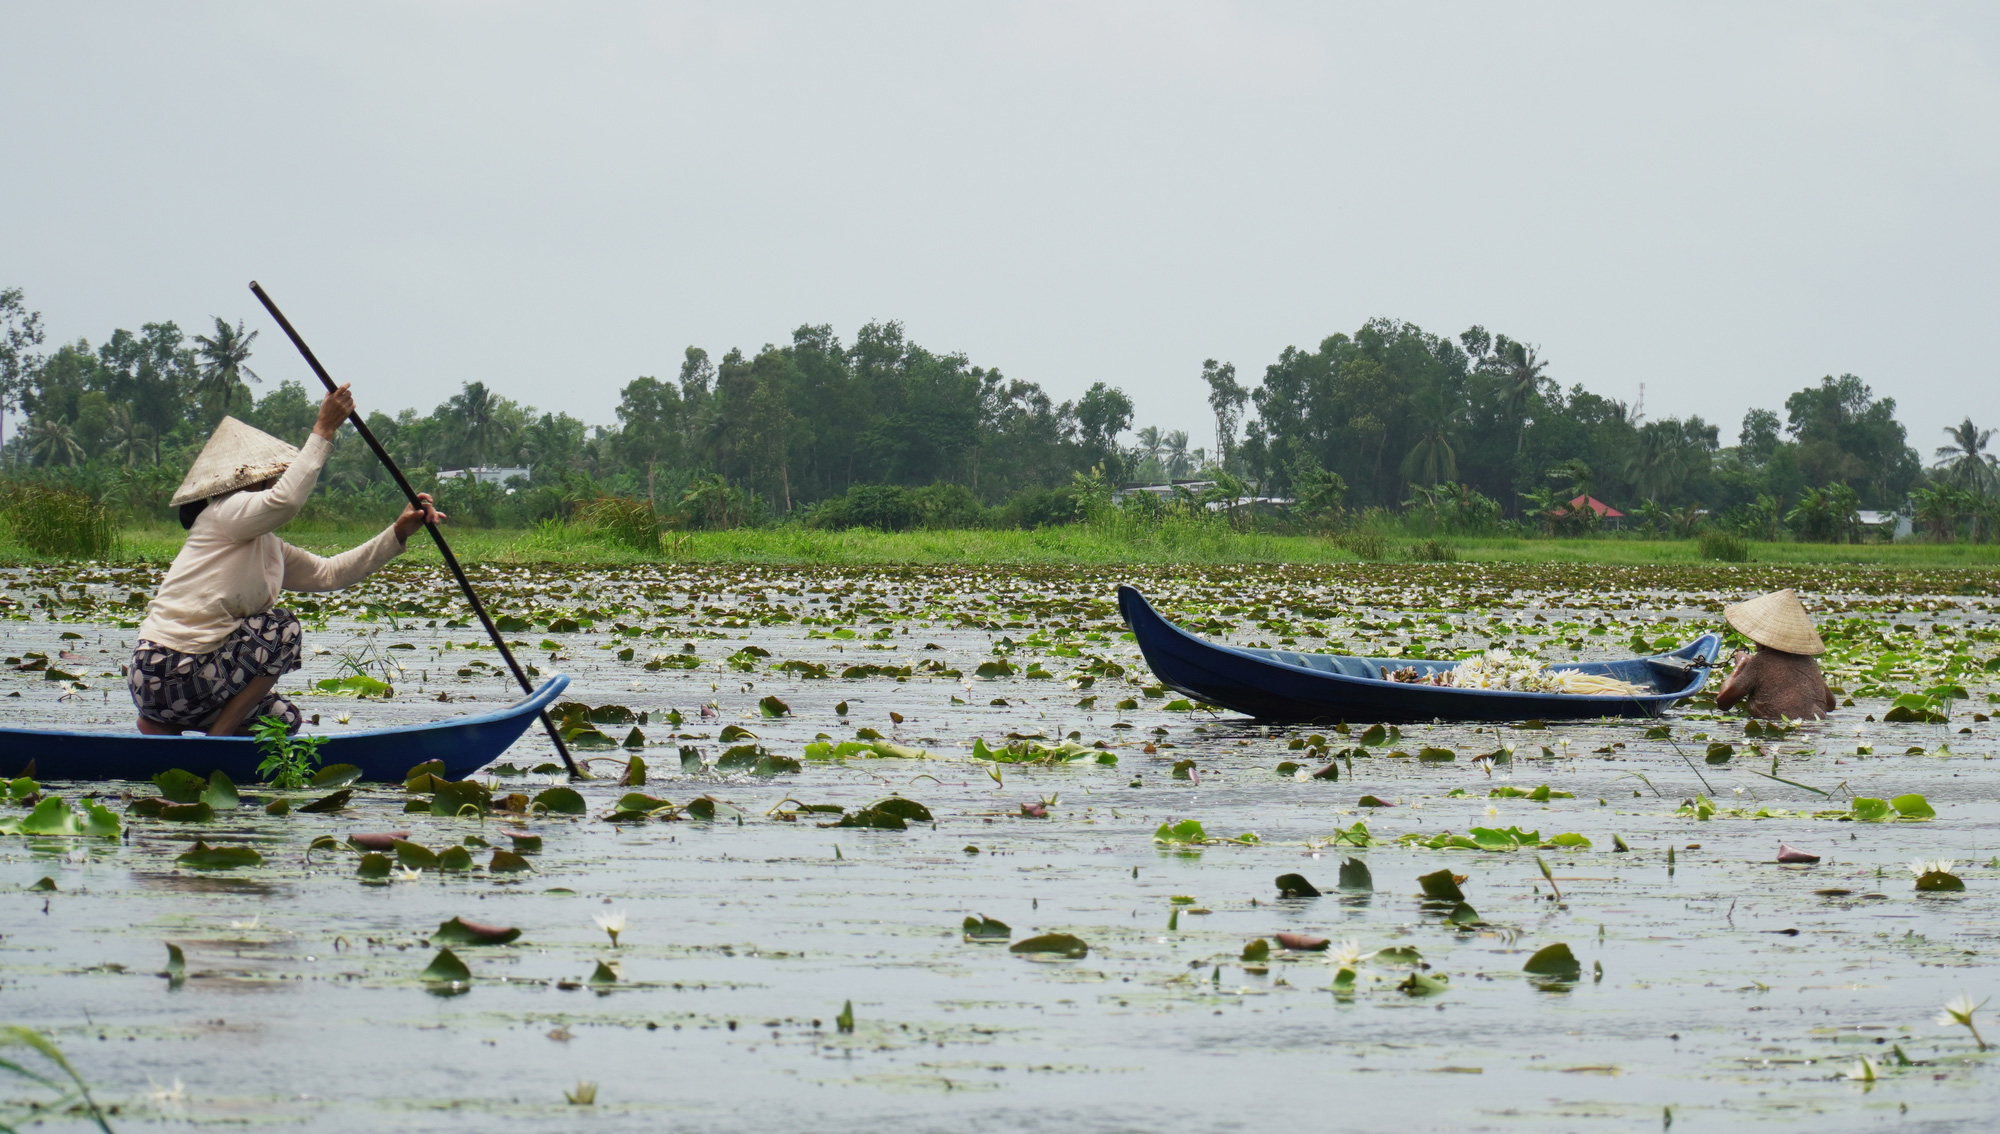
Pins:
x,y
188,690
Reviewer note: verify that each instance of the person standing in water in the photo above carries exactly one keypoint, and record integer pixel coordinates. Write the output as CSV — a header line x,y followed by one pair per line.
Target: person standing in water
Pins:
x,y
214,642
1781,679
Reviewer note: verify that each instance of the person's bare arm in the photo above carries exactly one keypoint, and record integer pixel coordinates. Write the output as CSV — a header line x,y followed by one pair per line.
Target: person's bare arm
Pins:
x,y
1738,684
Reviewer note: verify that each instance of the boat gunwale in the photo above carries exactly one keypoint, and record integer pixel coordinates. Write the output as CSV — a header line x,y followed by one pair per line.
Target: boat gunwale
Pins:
x,y
544,694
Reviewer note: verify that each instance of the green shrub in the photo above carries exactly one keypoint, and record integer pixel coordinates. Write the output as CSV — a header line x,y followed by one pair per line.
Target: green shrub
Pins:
x,y
1365,545
895,508
624,520
1432,551
57,521
1723,546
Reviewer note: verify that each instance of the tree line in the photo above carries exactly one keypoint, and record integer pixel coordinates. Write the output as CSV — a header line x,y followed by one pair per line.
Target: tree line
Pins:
x,y
1471,432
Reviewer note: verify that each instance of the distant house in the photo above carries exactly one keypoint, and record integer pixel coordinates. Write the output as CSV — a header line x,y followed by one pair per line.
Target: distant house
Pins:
x,y
493,476
1604,511
1196,488
1898,524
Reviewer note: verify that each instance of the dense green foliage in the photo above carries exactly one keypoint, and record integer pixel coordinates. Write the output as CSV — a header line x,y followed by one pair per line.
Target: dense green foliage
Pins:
x,y
1389,425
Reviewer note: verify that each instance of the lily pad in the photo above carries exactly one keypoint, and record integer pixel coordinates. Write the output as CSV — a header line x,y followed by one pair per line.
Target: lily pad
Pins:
x,y
1913,806
415,856
1354,875
374,864
1060,944
329,803
1442,886
1296,886
206,857
561,800
459,931
1555,961
1256,952
221,792
179,786
1301,942
453,797
507,862
337,775
446,968
986,929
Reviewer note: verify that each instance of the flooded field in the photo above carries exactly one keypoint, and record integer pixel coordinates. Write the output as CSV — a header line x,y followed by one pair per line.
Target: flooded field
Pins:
x,y
707,951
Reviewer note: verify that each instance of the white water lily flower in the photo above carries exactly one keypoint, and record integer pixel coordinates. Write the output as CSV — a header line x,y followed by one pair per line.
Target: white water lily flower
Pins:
x,y
1921,867
1347,954
612,924
408,874
1863,1070
1959,1011
251,924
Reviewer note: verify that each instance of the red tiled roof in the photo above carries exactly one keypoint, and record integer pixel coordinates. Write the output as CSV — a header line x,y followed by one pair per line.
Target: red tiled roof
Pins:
x,y
1603,510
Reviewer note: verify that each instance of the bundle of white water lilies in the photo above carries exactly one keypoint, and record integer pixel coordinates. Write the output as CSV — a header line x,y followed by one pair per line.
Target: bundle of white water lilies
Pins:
x,y
1502,669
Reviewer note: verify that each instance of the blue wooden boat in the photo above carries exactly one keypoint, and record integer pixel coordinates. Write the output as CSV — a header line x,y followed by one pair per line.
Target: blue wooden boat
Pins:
x,y
463,744
1282,685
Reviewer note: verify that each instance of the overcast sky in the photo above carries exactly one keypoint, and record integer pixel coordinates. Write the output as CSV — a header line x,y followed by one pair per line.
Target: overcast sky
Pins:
x,y
1722,202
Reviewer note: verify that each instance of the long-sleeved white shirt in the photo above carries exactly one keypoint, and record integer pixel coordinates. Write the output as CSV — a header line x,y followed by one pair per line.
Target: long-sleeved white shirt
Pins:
x,y
233,564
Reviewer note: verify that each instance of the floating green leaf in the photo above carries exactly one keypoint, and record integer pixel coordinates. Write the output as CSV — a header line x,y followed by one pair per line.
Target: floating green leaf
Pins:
x,y
561,801
1555,961
339,775
221,792
1442,886
355,685
1913,806
986,929
507,862
459,931
207,857
179,786
1296,886
1061,944
329,803
1184,832
446,968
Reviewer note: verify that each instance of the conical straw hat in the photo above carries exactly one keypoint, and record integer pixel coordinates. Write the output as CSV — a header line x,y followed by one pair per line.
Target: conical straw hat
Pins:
x,y
236,455
1778,621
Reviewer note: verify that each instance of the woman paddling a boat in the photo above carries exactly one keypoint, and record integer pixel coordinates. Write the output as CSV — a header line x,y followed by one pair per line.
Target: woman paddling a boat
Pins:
x,y
214,642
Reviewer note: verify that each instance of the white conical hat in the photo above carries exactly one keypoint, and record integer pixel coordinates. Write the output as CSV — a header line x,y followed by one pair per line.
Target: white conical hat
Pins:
x,y
1778,621
236,455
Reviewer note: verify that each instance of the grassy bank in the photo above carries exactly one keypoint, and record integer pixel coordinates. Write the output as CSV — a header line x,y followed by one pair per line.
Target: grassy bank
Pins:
x,y
1076,544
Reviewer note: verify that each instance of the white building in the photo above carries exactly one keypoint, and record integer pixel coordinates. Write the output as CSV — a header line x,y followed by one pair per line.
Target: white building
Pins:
x,y
494,476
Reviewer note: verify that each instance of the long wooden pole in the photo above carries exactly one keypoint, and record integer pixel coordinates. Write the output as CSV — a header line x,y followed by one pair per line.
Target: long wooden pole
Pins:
x,y
444,549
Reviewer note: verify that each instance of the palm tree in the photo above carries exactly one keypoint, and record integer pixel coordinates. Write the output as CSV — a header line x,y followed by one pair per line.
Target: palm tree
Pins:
x,y
1177,454
474,407
1524,376
1152,443
223,362
1433,459
1662,461
127,438
1965,461
52,439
